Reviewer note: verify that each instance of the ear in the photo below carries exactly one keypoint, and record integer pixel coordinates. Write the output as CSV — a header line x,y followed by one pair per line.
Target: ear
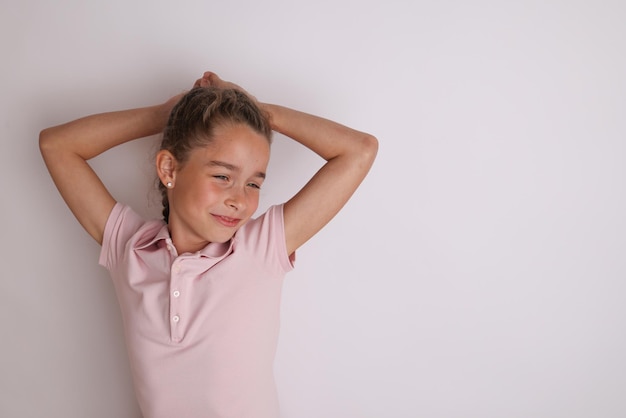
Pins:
x,y
166,166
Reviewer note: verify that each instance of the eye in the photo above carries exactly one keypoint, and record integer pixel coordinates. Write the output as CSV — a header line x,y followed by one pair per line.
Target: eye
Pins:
x,y
221,177
254,186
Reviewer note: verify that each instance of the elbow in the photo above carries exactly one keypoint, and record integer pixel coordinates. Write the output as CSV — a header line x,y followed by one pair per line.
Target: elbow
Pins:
x,y
50,142
46,141
369,148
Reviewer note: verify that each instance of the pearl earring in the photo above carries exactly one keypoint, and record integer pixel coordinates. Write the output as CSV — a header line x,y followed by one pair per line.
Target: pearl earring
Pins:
x,y
169,184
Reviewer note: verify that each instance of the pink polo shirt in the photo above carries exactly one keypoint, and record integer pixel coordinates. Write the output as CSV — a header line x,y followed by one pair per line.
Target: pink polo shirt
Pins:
x,y
201,328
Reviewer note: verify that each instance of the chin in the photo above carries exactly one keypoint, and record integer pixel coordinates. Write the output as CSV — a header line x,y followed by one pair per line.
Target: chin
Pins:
x,y
220,239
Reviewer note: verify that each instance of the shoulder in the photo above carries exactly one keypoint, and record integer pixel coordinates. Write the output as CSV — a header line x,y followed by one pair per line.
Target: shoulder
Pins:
x,y
123,217
264,237
125,228
269,224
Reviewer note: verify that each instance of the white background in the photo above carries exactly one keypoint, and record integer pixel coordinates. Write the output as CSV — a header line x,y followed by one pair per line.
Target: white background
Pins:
x,y
478,272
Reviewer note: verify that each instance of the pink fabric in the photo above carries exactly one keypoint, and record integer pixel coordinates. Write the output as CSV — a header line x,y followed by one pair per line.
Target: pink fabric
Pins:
x,y
201,328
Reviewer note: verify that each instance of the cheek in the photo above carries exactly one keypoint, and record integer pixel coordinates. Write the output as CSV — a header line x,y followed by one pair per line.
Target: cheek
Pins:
x,y
210,194
198,194
253,202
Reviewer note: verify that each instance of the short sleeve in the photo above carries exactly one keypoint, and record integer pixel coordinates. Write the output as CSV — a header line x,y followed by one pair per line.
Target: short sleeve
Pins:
x,y
122,223
278,227
264,238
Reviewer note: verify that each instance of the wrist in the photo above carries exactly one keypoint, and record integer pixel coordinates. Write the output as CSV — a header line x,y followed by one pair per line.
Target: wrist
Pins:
x,y
164,109
161,114
271,111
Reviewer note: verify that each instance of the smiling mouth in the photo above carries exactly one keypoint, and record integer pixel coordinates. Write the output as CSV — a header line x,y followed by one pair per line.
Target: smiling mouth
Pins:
x,y
226,221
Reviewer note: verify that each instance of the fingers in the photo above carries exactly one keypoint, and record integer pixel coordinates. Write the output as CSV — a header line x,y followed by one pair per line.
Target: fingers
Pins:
x,y
210,76
209,79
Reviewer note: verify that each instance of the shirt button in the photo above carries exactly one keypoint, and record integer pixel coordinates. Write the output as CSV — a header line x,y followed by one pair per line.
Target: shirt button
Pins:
x,y
175,318
176,293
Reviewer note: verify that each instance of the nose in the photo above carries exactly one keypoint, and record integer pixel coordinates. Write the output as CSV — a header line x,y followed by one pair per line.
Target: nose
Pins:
x,y
236,199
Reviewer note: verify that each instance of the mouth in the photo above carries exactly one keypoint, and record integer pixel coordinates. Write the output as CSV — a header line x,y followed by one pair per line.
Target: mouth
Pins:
x,y
227,221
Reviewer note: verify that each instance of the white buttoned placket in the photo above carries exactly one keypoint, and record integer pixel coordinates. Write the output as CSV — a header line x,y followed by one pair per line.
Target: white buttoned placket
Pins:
x,y
176,325
175,301
180,295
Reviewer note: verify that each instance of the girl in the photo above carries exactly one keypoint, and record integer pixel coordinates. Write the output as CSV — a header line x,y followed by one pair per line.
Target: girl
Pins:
x,y
200,290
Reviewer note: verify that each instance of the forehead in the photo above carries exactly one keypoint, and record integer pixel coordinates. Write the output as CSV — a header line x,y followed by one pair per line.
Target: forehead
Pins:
x,y
238,145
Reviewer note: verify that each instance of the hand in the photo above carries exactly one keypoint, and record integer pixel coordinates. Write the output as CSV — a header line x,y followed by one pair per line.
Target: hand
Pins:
x,y
210,79
165,109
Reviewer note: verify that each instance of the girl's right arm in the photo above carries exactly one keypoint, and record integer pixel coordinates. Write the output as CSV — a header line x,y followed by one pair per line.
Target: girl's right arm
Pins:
x,y
66,149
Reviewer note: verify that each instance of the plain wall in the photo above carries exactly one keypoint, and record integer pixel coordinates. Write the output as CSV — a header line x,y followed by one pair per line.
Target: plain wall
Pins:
x,y
478,272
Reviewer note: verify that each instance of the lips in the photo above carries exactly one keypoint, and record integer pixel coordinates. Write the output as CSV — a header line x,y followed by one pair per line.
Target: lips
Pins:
x,y
227,221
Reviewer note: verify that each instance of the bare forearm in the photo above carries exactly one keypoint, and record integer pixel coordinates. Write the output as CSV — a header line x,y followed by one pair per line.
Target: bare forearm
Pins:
x,y
92,135
349,155
325,137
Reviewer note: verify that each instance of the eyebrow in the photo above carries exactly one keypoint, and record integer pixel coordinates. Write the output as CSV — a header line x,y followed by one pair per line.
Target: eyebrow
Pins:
x,y
231,167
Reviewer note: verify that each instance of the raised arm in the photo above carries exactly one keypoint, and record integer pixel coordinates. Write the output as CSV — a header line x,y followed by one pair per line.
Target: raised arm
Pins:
x,y
349,154
66,149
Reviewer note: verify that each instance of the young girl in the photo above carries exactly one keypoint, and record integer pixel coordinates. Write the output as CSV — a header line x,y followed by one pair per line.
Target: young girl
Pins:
x,y
200,290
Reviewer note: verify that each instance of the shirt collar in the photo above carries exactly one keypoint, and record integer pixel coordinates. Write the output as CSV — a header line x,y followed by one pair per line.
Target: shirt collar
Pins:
x,y
211,250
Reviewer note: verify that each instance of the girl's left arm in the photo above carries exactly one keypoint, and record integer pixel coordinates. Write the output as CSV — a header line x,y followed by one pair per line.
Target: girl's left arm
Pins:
x,y
349,154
